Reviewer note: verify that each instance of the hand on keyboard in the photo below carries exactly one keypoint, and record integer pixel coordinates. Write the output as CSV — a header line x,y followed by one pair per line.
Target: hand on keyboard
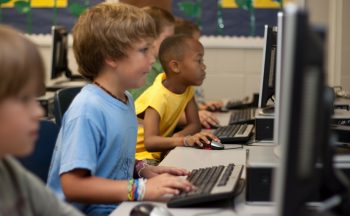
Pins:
x,y
207,119
157,188
151,171
213,183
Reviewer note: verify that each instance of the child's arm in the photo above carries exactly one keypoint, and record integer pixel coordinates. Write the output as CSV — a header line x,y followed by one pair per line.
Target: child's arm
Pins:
x,y
79,186
153,141
156,143
193,124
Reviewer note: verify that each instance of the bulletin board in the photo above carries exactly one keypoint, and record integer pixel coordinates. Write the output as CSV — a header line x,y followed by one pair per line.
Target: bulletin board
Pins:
x,y
215,17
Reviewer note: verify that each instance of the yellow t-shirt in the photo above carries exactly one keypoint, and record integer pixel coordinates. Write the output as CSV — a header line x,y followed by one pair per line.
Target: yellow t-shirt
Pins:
x,y
169,106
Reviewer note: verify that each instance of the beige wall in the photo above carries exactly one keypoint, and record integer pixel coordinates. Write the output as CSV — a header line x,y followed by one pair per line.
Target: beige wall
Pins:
x,y
345,67
234,64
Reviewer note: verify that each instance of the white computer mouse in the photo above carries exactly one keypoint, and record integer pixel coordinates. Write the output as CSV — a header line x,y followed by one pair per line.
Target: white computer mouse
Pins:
x,y
149,209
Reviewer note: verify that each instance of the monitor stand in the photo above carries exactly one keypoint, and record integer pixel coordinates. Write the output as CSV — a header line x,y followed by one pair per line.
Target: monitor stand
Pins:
x,y
267,111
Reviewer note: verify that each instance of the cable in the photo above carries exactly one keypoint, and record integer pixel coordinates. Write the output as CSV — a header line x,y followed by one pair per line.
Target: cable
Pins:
x,y
238,147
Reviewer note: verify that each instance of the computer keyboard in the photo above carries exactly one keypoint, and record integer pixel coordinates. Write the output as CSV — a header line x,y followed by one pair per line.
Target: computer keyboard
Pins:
x,y
237,133
213,183
242,116
238,104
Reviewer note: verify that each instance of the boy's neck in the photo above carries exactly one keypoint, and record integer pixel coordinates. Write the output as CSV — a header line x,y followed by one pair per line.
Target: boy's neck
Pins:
x,y
111,86
174,85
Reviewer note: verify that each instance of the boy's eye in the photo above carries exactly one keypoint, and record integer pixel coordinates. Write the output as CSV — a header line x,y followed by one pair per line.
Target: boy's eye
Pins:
x,y
144,50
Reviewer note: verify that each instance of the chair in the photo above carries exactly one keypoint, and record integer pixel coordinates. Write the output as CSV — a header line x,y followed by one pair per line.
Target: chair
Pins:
x,y
62,100
39,161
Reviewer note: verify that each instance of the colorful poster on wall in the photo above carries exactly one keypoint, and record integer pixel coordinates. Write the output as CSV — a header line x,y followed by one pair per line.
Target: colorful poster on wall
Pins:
x,y
37,16
215,17
230,17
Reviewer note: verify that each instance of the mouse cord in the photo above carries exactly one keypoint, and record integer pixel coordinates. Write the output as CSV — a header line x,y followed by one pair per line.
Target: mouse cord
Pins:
x,y
238,147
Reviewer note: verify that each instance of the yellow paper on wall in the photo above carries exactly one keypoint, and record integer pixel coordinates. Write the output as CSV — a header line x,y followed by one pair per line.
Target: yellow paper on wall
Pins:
x,y
41,4
257,3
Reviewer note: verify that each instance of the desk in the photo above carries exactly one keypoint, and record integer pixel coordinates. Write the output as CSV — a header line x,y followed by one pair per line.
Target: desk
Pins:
x,y
191,158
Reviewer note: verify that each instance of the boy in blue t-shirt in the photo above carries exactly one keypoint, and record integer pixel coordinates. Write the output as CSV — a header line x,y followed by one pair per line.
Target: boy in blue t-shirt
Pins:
x,y
93,163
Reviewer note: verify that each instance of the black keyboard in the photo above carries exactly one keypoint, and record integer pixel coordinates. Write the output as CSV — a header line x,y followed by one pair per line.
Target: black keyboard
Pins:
x,y
237,133
242,116
238,104
213,183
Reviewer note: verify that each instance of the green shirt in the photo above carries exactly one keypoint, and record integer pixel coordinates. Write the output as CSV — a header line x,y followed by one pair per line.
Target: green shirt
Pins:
x,y
22,193
151,76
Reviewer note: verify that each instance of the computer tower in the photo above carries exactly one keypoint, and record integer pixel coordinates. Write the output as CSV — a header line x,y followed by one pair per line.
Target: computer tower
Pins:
x,y
261,164
264,126
260,167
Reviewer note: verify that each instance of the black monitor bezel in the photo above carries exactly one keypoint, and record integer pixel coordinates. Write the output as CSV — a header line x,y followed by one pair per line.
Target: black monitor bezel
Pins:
x,y
267,84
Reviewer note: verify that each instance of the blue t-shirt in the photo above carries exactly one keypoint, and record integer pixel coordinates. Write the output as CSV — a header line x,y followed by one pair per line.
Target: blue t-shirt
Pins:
x,y
98,133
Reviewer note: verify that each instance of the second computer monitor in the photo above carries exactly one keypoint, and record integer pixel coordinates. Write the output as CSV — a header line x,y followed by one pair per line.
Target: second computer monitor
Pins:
x,y
59,63
268,74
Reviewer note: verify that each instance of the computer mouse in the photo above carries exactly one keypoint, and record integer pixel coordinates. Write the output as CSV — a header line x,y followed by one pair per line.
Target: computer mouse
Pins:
x,y
216,145
149,209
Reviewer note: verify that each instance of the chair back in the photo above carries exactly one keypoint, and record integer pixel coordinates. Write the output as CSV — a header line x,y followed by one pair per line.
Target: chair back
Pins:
x,y
39,161
63,98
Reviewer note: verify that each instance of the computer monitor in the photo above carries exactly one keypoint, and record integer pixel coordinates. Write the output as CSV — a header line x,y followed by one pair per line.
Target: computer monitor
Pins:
x,y
268,74
278,81
302,113
59,63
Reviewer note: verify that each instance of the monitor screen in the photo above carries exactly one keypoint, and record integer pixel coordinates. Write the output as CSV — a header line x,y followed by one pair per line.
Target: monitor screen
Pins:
x,y
268,74
301,114
59,64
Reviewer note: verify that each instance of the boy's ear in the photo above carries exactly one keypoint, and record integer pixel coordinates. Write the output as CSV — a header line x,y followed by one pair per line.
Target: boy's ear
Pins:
x,y
111,62
174,66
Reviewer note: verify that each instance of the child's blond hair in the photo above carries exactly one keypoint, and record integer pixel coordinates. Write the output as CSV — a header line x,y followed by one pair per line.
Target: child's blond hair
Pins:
x,y
20,62
108,30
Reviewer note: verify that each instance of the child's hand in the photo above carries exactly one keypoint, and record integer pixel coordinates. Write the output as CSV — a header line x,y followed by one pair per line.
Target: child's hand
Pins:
x,y
213,105
165,184
152,171
207,119
199,139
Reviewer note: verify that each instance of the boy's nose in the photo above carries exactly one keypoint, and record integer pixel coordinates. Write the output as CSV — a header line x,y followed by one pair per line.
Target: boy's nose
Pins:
x,y
152,58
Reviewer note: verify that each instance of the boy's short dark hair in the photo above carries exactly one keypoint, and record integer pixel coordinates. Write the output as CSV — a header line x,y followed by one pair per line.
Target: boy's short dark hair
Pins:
x,y
173,47
20,62
185,27
108,30
162,18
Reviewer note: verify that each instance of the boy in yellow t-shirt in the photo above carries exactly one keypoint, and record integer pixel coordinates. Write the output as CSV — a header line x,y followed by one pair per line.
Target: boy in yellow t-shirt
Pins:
x,y
160,107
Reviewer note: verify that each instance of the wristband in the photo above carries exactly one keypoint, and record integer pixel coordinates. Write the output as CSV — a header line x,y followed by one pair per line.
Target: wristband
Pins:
x,y
186,144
